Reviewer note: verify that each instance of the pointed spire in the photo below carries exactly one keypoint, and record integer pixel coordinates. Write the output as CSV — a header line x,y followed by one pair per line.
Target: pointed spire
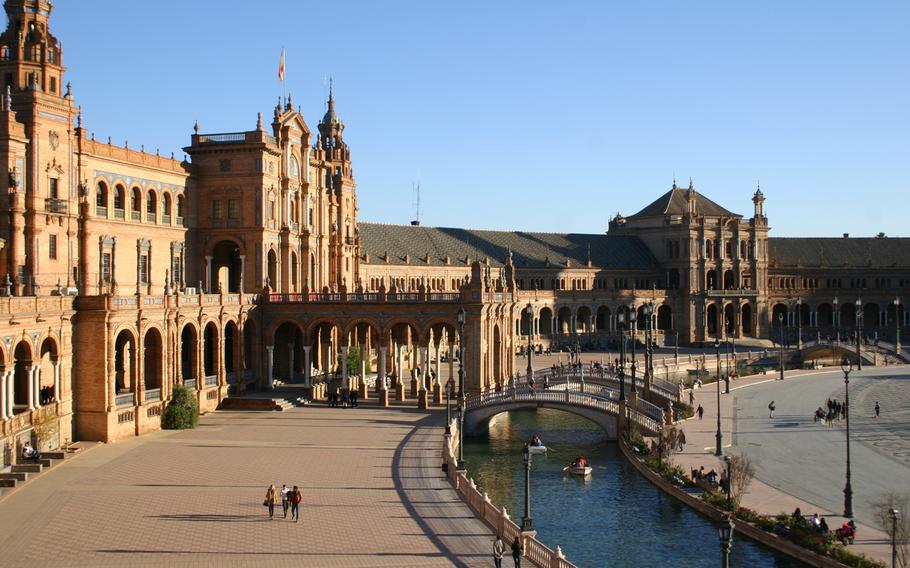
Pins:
x,y
79,117
259,121
196,127
691,185
674,182
290,105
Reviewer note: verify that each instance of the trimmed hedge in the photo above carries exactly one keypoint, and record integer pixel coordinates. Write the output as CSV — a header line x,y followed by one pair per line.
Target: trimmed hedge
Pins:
x,y
182,411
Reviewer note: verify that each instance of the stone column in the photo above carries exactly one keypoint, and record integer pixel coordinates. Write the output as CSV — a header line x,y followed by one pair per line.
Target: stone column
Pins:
x,y
381,377
362,387
208,274
57,397
31,387
307,373
242,271
452,350
290,362
4,395
270,365
344,367
437,386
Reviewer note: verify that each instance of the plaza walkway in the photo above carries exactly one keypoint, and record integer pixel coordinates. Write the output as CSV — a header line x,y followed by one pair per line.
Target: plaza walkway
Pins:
x,y
373,495
800,463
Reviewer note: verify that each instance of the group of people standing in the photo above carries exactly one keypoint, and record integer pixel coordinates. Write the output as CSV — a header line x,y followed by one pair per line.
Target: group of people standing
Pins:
x,y
289,499
342,396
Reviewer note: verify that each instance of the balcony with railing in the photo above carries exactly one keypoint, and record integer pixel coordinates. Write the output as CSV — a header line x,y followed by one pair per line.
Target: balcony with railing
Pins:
x,y
153,395
150,216
53,205
166,219
134,215
732,293
180,221
100,211
119,214
190,383
211,380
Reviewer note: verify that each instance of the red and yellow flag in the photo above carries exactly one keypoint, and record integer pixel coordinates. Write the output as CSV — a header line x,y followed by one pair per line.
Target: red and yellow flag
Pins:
x,y
281,66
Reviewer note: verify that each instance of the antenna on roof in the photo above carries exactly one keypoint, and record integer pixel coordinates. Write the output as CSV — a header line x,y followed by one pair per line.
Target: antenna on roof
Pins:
x,y
415,189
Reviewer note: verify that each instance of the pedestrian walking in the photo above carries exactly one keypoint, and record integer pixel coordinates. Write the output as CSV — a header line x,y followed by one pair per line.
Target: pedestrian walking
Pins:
x,y
517,551
354,395
771,408
691,397
878,409
499,549
681,439
701,412
271,497
285,503
295,499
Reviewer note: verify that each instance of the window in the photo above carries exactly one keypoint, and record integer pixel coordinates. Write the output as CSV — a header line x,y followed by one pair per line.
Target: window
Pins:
x,y
295,167
101,196
180,206
119,197
53,188
233,209
216,209
143,268
176,269
106,267
272,210
53,84
52,247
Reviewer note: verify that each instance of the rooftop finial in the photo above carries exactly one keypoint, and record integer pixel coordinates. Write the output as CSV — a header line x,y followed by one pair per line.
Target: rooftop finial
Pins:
x,y
331,94
259,121
691,185
674,181
196,127
79,117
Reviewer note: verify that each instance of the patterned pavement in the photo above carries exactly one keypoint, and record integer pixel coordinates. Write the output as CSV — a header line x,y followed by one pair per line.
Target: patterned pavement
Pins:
x,y
373,495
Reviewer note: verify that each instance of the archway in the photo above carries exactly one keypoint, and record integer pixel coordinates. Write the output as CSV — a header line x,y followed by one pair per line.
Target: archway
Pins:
x,y
273,270
231,350
848,315
664,318
583,320
602,321
564,318
250,348
326,344
870,316
210,352
293,273
152,362
22,369
545,321
46,369
802,312
730,319
288,363
189,349
124,363
525,317
729,283
226,267
497,378
711,319
711,280
824,315
746,315
403,337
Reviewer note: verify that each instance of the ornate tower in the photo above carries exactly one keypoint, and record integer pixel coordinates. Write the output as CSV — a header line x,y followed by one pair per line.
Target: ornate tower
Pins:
x,y
37,144
334,157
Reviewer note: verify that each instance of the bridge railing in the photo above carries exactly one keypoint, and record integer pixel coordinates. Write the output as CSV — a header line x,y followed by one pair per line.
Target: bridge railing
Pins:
x,y
497,518
662,388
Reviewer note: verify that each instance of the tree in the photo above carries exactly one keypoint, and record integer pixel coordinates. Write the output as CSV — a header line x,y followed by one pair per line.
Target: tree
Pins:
x,y
883,506
741,474
182,411
354,358
881,236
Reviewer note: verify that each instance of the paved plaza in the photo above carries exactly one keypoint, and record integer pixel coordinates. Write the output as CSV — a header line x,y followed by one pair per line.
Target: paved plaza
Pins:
x,y
373,495
801,463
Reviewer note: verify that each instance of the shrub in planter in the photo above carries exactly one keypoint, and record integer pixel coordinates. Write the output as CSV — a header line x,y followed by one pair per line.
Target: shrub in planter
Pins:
x,y
683,410
182,411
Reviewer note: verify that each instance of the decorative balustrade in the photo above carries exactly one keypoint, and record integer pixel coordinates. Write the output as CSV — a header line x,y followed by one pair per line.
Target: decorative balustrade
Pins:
x,y
211,380
125,399
153,395
223,137
52,205
190,383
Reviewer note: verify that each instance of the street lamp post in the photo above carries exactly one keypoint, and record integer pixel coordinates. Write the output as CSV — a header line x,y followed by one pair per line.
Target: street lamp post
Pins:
x,y
449,407
799,323
632,318
836,314
725,535
894,514
461,393
676,349
727,362
897,327
859,333
527,523
846,366
718,450
621,318
729,488
780,321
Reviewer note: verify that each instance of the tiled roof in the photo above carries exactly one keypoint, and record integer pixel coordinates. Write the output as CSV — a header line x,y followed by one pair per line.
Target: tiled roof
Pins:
x,y
528,249
839,252
674,203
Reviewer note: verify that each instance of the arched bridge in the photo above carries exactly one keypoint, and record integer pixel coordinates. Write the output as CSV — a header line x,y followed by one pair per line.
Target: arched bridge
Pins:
x,y
835,350
593,402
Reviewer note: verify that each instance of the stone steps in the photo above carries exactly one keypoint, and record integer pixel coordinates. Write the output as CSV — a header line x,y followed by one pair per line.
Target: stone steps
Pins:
x,y
7,482
15,476
26,468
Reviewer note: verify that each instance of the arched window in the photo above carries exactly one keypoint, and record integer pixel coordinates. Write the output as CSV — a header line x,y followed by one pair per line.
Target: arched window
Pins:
x,y
119,198
151,207
180,208
166,212
136,204
101,200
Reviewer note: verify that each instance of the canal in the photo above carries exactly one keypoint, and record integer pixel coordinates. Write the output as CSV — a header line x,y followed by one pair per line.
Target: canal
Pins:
x,y
616,518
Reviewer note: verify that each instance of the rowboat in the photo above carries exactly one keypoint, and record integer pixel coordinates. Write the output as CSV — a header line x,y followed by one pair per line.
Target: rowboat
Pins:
x,y
580,470
537,449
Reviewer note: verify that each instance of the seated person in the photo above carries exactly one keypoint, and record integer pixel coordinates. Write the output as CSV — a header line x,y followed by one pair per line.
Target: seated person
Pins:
x,y
535,441
823,526
30,453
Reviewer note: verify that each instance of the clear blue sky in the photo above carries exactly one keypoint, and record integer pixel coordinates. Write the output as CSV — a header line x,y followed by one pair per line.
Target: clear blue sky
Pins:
x,y
548,116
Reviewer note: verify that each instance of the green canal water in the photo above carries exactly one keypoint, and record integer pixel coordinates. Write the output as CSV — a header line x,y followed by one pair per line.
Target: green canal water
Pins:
x,y
616,518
